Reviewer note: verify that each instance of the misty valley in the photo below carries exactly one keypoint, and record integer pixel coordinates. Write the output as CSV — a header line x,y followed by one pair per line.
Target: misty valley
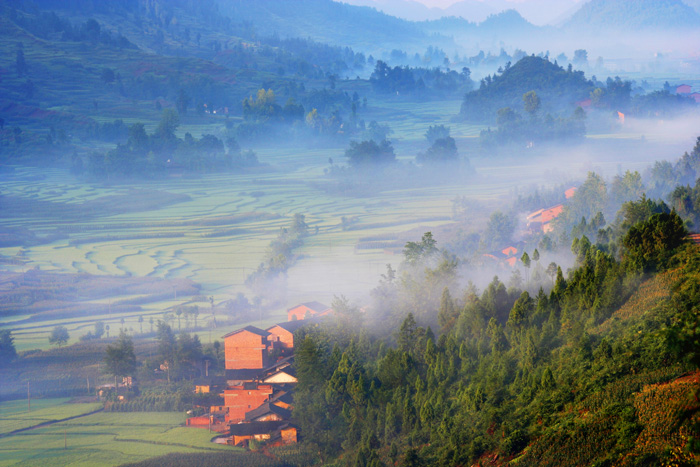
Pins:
x,y
362,233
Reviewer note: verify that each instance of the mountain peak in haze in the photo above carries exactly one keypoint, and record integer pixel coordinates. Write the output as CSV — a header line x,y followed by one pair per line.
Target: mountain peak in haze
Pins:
x,y
635,15
506,19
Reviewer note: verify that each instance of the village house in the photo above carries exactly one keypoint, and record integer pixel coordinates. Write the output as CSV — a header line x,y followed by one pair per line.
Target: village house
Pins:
x,y
283,333
684,89
283,399
209,385
238,377
246,348
505,256
259,381
585,104
283,376
268,412
214,422
307,310
541,220
241,399
275,433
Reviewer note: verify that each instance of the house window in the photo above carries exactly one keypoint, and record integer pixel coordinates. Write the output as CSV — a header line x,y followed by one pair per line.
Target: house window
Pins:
x,y
249,406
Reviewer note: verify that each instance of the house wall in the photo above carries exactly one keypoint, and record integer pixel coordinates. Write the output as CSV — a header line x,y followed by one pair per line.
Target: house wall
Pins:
x,y
261,437
289,435
239,400
198,421
285,337
299,312
281,378
245,350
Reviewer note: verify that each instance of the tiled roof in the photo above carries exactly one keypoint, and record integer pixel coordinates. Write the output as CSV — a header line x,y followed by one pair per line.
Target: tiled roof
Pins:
x,y
251,329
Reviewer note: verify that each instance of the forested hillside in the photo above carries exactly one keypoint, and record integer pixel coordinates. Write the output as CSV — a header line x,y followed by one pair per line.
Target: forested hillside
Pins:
x,y
599,371
557,87
598,367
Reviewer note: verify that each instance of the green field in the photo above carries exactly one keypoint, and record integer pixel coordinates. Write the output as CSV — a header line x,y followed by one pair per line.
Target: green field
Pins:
x,y
15,415
98,439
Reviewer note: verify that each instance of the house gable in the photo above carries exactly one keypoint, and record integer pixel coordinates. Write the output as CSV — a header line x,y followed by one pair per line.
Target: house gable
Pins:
x,y
300,311
246,348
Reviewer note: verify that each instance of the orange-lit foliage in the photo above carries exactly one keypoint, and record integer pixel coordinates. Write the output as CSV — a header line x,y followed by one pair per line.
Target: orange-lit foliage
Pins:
x,y
660,409
651,293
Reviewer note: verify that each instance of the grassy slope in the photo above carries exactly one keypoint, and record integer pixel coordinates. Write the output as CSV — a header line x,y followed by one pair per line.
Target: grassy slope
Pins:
x,y
638,414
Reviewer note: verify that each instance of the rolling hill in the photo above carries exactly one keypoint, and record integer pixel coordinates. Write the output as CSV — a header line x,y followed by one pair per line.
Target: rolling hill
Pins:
x,y
612,15
557,88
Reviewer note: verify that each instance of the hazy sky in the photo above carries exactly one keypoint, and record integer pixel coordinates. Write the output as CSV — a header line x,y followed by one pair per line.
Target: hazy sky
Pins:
x,y
446,3
536,11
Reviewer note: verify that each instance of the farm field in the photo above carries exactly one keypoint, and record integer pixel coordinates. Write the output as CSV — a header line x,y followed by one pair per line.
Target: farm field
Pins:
x,y
14,415
105,439
214,230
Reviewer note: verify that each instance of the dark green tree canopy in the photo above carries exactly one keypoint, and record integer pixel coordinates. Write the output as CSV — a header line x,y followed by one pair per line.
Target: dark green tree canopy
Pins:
x,y
442,150
369,153
59,336
7,347
120,359
649,245
415,252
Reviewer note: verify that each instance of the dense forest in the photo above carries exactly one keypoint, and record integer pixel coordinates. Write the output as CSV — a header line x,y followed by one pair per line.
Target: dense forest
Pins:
x,y
598,367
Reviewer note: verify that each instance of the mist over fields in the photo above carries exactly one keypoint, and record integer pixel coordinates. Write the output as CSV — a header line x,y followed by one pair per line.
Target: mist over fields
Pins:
x,y
497,199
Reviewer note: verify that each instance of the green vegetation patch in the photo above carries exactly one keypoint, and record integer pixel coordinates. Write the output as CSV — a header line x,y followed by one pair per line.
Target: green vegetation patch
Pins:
x,y
15,415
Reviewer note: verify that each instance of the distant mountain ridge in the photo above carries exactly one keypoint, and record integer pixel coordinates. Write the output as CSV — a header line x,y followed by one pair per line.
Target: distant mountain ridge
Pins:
x,y
325,21
634,15
507,24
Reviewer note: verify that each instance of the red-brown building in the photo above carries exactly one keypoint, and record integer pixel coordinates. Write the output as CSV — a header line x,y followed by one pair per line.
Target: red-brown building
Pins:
x,y
283,333
268,413
541,220
274,433
282,376
307,309
240,400
246,348
585,104
253,357
507,255
684,89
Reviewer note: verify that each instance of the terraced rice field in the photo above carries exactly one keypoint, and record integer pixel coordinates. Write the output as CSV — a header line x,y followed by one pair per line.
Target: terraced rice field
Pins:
x,y
215,229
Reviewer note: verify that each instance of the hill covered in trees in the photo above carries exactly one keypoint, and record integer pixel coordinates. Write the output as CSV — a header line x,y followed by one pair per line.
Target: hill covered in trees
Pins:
x,y
558,88
600,370
599,366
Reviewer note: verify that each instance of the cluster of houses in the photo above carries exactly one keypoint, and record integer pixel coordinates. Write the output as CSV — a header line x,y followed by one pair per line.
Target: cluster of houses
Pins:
x,y
687,91
536,222
259,382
